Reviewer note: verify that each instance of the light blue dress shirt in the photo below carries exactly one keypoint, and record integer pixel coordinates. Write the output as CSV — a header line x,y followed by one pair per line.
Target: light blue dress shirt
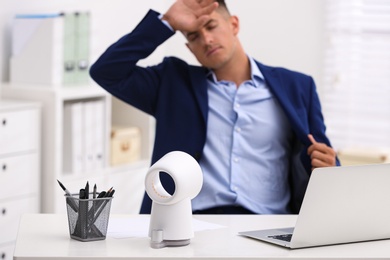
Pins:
x,y
245,160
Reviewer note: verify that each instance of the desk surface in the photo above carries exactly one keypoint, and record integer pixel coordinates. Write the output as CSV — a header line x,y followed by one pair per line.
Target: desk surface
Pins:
x,y
46,236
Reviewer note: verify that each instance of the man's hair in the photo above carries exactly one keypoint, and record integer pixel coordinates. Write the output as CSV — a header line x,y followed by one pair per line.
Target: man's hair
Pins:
x,y
222,4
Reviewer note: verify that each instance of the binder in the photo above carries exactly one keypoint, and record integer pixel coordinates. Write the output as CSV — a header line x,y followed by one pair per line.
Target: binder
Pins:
x,y
73,138
83,140
37,49
89,136
82,51
99,130
69,45
51,49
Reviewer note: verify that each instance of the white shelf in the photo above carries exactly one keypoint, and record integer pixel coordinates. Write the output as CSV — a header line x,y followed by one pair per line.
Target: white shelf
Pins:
x,y
81,92
65,93
116,112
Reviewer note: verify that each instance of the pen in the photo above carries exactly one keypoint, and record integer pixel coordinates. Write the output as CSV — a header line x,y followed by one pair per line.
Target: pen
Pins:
x,y
91,212
109,193
102,194
86,192
94,191
82,219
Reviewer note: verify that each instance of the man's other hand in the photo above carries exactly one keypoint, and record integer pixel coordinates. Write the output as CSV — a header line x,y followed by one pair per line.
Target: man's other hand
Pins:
x,y
321,155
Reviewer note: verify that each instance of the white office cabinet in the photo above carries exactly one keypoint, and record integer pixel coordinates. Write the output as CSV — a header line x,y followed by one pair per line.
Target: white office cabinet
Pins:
x,y
11,211
20,140
7,251
14,134
76,143
22,172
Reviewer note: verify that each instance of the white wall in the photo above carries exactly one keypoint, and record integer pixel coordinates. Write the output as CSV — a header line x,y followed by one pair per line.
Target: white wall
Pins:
x,y
276,32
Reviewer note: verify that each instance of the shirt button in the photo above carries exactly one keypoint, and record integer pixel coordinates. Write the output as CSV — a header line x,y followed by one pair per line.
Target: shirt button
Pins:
x,y
236,159
237,105
238,129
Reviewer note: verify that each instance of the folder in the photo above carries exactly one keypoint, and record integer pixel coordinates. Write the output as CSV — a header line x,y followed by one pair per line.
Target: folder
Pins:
x,y
84,138
73,138
89,136
69,45
51,49
99,130
82,51
37,49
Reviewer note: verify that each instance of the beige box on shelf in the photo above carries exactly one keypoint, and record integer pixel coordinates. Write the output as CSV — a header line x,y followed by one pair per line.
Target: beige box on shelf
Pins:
x,y
125,145
358,156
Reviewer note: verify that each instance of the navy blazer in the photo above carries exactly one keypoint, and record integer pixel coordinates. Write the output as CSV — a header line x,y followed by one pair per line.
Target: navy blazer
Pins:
x,y
175,94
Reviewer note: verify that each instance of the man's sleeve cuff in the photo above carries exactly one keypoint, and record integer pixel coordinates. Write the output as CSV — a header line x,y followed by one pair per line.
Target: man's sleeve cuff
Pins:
x,y
165,22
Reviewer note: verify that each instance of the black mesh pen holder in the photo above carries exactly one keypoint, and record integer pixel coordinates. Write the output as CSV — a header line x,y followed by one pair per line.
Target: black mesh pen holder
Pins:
x,y
88,218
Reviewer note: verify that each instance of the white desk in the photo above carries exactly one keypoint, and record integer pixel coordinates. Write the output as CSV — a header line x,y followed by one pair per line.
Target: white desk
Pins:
x,y
46,236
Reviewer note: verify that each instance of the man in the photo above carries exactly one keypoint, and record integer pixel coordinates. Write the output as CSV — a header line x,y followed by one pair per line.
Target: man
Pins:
x,y
256,131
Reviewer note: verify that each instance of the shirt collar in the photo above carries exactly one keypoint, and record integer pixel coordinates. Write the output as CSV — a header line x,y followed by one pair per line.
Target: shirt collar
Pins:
x,y
256,75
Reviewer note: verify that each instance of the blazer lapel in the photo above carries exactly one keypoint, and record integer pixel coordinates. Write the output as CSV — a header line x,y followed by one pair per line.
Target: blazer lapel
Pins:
x,y
275,83
199,86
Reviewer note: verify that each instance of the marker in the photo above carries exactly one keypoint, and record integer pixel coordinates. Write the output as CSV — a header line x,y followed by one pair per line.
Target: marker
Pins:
x,y
82,194
102,194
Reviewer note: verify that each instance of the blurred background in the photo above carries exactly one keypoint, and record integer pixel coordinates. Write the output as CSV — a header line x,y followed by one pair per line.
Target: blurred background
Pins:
x,y
343,44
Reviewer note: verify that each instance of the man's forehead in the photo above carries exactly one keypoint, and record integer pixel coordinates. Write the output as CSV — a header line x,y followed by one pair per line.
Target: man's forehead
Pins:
x,y
214,17
203,26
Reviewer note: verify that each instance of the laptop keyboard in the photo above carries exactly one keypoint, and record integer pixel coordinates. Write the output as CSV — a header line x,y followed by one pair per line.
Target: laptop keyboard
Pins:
x,y
284,237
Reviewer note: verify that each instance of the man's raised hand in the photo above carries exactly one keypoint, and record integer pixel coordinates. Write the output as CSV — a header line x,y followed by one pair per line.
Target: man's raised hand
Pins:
x,y
189,15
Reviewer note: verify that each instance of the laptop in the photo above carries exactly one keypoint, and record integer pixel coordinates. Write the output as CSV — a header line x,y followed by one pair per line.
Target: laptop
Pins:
x,y
341,205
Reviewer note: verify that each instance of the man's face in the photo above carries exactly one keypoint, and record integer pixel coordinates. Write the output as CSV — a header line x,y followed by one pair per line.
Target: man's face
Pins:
x,y
214,43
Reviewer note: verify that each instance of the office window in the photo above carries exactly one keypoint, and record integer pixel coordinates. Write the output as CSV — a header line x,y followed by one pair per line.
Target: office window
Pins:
x,y
356,89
